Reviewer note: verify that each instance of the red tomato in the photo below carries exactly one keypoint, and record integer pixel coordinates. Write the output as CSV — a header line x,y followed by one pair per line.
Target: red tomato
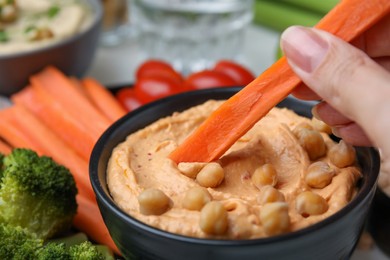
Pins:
x,y
236,71
128,99
208,79
152,67
150,88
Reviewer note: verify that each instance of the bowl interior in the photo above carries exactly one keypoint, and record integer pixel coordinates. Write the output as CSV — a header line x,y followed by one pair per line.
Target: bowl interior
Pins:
x,y
147,114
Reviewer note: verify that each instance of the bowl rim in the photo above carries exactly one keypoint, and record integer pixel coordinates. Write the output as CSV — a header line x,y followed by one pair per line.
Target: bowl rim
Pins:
x,y
96,21
104,198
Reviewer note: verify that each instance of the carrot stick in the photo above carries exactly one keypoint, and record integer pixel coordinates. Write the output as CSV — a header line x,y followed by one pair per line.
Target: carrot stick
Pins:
x,y
103,99
89,220
68,128
14,135
61,89
5,148
52,146
238,114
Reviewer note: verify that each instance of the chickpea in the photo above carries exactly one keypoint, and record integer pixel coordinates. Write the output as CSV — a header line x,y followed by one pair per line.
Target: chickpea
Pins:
x,y
319,175
309,203
264,175
190,169
269,194
214,218
274,217
304,125
195,198
38,34
312,141
8,13
321,126
211,175
153,202
342,154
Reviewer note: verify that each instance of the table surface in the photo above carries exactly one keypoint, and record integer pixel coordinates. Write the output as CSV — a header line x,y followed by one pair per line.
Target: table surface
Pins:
x,y
115,66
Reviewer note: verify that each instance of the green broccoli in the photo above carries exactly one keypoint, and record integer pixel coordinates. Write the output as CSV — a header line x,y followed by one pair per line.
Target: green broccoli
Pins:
x,y
36,193
53,251
85,251
17,244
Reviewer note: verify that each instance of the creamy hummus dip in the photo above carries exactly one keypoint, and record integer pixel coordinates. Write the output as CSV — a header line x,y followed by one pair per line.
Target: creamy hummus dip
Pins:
x,y
141,162
31,24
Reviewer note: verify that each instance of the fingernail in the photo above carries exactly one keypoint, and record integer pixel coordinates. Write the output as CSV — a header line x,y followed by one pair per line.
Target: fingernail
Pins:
x,y
335,131
314,112
303,47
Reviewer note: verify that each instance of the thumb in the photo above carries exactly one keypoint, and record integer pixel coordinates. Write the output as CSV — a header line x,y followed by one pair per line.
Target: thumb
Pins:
x,y
344,77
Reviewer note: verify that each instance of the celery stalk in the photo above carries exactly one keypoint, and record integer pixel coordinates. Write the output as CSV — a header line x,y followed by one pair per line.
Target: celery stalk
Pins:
x,y
279,16
320,6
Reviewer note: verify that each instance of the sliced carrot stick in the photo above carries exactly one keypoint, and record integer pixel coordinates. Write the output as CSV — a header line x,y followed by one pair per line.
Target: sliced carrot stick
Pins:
x,y
61,89
68,128
5,148
238,114
103,99
89,220
52,146
14,135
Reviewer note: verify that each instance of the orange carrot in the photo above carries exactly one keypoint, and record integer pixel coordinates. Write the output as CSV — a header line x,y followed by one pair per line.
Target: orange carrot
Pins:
x,y
5,148
238,114
68,128
103,99
13,135
60,88
89,220
51,145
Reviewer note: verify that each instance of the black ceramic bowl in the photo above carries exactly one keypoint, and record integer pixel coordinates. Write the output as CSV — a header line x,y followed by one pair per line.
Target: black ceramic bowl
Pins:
x,y
72,55
333,238
379,221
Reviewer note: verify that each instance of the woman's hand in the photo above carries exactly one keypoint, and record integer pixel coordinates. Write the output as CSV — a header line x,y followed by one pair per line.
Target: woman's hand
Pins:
x,y
352,82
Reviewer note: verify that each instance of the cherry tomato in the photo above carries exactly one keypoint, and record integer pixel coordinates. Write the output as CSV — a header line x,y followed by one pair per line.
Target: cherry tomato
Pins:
x,y
150,88
128,99
152,67
236,71
208,79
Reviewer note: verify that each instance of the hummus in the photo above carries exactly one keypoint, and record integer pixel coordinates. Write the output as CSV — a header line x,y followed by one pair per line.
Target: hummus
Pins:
x,y
31,24
141,162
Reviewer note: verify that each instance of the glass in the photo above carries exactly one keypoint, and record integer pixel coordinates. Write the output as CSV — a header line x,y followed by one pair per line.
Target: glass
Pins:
x,y
192,34
116,25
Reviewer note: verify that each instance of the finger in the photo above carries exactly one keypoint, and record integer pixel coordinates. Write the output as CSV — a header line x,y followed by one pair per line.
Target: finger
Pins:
x,y
305,93
376,41
344,77
352,134
384,62
326,113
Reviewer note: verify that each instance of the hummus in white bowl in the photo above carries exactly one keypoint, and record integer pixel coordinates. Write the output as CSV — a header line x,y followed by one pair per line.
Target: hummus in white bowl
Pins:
x,y
141,164
30,24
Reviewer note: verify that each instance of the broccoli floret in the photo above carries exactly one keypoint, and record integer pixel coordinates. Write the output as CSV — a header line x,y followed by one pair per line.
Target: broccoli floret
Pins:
x,y
86,251
36,193
54,251
16,243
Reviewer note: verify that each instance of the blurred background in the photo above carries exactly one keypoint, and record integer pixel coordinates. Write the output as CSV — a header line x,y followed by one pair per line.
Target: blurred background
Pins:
x,y
193,34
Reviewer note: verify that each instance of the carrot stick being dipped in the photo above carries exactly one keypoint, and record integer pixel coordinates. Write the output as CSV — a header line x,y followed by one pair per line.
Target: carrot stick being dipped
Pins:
x,y
239,113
